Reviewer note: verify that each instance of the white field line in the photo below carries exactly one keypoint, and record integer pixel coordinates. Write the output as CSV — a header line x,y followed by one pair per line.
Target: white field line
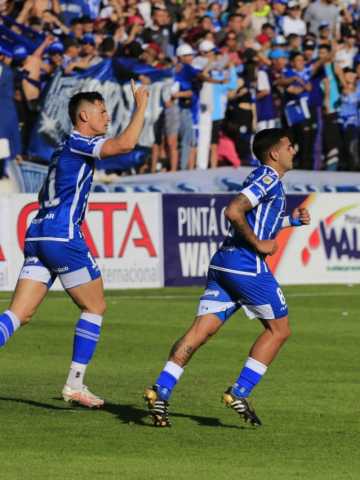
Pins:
x,y
192,297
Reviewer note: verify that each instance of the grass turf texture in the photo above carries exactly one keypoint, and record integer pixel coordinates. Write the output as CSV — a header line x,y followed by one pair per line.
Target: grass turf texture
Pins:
x,y
308,400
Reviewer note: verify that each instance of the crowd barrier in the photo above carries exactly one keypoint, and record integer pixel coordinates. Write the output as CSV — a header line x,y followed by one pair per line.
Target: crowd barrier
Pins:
x,y
154,240
29,177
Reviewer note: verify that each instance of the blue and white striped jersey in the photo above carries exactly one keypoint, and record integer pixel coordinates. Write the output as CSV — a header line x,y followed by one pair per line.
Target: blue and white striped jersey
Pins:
x,y
63,196
265,191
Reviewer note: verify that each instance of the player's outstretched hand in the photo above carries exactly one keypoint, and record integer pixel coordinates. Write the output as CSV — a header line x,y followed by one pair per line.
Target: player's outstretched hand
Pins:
x,y
266,247
141,95
302,214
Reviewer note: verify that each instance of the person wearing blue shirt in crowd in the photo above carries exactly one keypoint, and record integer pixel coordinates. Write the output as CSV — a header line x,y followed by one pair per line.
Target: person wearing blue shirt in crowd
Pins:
x,y
74,9
54,244
188,79
239,277
9,123
297,94
278,11
265,106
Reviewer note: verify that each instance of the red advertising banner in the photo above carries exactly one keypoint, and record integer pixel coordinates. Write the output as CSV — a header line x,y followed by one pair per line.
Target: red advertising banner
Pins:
x,y
123,231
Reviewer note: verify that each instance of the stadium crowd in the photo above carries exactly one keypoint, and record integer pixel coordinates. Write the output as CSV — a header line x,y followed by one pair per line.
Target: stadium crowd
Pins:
x,y
237,67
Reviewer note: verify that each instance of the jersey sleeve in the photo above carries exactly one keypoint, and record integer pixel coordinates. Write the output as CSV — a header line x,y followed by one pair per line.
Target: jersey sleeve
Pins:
x,y
90,147
259,188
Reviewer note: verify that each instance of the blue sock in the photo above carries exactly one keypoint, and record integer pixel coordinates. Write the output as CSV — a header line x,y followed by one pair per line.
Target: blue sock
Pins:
x,y
87,333
167,379
9,323
249,377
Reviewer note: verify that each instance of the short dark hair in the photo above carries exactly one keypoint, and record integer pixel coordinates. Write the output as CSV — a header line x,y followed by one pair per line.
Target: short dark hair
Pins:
x,y
325,46
294,54
107,45
76,100
265,140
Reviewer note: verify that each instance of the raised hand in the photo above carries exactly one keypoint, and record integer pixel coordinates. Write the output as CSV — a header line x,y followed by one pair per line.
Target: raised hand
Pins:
x,y
141,95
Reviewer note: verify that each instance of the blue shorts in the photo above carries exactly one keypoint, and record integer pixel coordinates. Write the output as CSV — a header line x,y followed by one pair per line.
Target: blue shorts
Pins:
x,y
71,261
260,295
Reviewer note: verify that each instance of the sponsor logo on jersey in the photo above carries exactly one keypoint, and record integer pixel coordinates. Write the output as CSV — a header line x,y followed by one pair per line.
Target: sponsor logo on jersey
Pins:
x,y
267,180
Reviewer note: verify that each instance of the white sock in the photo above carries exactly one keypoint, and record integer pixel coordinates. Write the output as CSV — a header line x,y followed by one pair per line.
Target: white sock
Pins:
x,y
76,375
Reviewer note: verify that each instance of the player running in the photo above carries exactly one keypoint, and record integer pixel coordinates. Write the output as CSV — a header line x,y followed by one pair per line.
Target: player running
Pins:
x,y
54,244
238,277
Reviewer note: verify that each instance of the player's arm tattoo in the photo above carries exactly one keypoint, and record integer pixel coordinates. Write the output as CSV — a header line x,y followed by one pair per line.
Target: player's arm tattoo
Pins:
x,y
235,212
181,351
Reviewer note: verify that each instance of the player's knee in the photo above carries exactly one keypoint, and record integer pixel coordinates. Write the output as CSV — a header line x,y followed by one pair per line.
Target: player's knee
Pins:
x,y
284,333
99,308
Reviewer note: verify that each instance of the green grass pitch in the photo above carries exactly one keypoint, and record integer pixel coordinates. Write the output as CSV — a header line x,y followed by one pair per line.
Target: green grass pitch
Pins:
x,y
309,400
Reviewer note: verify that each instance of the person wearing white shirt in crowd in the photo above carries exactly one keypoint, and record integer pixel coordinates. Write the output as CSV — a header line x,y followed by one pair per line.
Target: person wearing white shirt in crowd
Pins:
x,y
347,51
293,22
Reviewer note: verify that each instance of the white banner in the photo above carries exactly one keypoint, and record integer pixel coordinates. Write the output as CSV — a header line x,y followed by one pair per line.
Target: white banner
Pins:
x,y
123,231
327,251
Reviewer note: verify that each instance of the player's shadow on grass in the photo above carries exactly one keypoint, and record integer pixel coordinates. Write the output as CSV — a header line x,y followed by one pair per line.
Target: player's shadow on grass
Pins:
x,y
33,403
126,413
131,414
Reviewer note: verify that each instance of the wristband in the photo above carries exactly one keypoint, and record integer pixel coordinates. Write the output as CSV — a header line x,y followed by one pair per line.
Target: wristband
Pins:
x,y
295,222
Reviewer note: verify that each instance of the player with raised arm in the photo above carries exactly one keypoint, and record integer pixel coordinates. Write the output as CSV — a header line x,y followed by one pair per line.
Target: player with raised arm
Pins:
x,y
238,277
54,244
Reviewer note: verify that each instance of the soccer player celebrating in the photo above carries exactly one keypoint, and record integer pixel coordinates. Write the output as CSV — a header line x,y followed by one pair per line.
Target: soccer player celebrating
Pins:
x,y
239,277
54,244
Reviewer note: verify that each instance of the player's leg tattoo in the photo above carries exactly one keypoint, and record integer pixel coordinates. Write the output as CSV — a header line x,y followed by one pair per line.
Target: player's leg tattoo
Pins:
x,y
181,351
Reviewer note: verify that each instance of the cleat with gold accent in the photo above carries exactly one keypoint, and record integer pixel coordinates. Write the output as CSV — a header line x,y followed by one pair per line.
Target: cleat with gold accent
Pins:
x,y
242,406
158,408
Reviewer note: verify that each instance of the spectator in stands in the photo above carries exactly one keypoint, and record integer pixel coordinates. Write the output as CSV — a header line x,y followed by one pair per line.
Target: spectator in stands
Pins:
x,y
88,55
277,15
265,106
160,31
297,108
240,119
325,37
76,28
322,11
294,42
279,61
331,83
259,14
293,23
227,83
171,122
237,23
71,51
10,143
188,96
346,51
230,48
55,52
349,121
